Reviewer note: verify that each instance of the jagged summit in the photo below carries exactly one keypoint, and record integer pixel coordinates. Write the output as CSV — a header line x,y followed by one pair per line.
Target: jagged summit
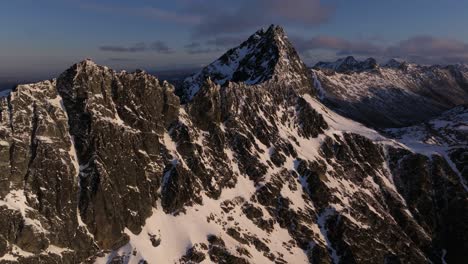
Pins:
x,y
84,68
88,70
88,65
348,64
264,54
396,64
271,31
87,61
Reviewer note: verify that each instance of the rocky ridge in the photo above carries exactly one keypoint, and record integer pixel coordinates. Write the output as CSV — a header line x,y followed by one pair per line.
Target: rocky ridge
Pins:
x,y
107,167
348,64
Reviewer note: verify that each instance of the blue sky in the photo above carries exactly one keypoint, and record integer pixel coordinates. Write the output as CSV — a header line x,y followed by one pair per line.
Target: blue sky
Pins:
x,y
43,38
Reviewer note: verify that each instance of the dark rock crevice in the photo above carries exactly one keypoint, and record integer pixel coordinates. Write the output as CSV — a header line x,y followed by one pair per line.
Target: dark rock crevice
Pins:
x,y
33,140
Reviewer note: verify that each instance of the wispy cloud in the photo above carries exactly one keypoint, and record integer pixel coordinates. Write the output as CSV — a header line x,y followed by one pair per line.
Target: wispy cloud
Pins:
x,y
121,59
160,47
193,45
429,46
138,47
157,46
225,41
340,45
151,12
198,48
248,15
422,49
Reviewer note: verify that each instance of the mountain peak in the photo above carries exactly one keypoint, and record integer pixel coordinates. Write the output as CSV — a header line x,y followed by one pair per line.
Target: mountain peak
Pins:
x,y
275,30
272,30
264,54
86,63
348,64
396,63
349,60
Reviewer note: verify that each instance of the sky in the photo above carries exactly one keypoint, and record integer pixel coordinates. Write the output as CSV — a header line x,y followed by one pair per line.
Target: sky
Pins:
x,y
40,39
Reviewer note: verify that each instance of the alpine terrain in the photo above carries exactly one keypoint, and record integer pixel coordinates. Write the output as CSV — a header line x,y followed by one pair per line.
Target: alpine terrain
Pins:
x,y
394,94
245,162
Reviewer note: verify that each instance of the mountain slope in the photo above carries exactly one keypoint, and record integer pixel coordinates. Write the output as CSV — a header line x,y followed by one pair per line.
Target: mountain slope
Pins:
x,y
107,167
395,94
447,134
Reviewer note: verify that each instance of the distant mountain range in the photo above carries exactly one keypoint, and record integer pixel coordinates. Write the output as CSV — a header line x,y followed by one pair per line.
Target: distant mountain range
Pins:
x,y
395,94
256,158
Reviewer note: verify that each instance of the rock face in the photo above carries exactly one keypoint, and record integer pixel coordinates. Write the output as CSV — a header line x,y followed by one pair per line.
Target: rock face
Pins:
x,y
116,121
105,167
395,94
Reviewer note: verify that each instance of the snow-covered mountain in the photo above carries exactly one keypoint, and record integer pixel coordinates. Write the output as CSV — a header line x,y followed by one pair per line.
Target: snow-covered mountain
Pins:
x,y
265,56
101,166
395,94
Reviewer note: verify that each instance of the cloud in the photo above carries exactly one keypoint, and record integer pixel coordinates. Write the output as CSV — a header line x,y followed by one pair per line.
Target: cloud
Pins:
x,y
157,46
216,44
165,15
193,45
429,46
202,50
121,59
161,47
248,15
225,41
138,47
306,12
198,48
421,49
214,18
341,46
151,12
